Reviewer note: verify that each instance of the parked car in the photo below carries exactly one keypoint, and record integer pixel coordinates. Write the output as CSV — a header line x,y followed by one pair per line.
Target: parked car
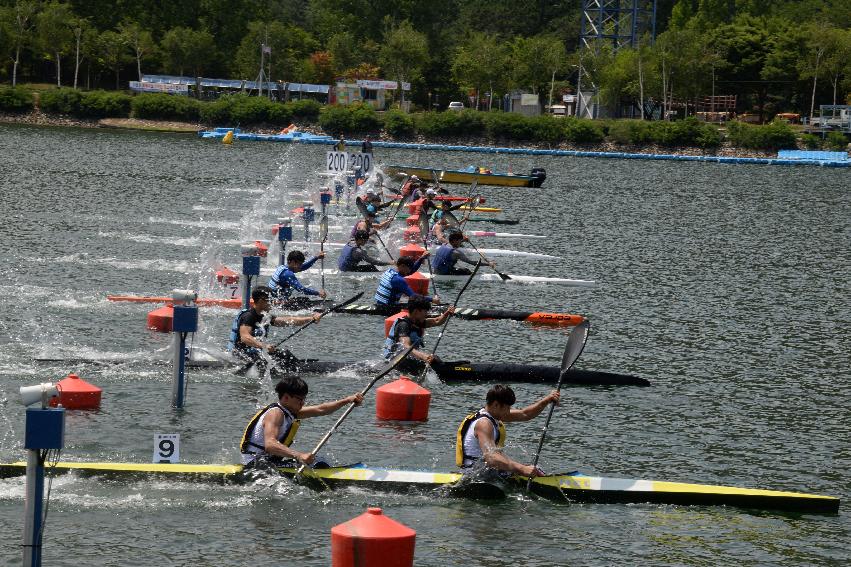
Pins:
x,y
456,106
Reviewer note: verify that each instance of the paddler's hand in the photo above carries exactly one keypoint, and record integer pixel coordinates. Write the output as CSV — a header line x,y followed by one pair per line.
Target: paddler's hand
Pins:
x,y
448,313
316,317
321,255
436,300
306,458
530,471
271,349
492,264
426,254
554,397
323,294
356,399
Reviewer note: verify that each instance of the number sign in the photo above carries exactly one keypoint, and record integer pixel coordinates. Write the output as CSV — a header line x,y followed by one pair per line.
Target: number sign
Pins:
x,y
340,162
167,448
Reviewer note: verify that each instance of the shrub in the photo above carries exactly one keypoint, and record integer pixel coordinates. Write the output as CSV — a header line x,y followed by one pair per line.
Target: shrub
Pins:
x,y
165,107
774,136
620,131
352,118
399,124
306,109
15,99
103,104
452,123
216,113
836,141
811,141
509,125
60,101
547,129
364,118
582,131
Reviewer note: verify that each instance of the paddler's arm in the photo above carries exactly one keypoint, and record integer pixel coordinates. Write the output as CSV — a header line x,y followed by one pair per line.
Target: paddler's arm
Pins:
x,y
295,284
309,264
382,225
248,339
532,411
271,426
399,284
460,255
494,457
426,357
440,319
330,407
420,261
360,254
296,321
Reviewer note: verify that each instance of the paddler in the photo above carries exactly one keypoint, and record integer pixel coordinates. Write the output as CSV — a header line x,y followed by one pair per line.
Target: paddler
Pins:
x,y
268,436
410,330
392,285
284,280
353,254
251,326
441,226
481,435
449,254
370,222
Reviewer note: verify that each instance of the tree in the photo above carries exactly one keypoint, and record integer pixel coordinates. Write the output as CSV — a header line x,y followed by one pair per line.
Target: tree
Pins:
x,y
534,61
185,48
112,52
79,27
290,47
55,25
810,66
343,50
20,20
837,62
404,53
321,68
139,40
480,60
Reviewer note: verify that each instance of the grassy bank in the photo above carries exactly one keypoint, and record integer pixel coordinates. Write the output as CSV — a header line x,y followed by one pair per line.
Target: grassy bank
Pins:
x,y
176,113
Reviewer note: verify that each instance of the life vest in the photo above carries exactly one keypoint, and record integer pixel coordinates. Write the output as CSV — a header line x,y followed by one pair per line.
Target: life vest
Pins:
x,y
345,263
391,343
499,429
278,284
285,438
385,295
234,331
444,260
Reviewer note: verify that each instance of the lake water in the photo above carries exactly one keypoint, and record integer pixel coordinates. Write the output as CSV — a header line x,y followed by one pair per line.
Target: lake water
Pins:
x,y
725,286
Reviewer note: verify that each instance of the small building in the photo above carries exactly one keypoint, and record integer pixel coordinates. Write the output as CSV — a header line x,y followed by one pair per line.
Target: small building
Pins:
x,y
527,104
373,93
213,88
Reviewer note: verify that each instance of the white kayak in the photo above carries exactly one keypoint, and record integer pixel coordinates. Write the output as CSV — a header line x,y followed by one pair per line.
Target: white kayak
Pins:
x,y
433,250
481,277
473,233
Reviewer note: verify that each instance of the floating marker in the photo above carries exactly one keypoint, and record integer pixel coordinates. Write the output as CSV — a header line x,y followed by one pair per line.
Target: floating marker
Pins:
x,y
402,400
372,539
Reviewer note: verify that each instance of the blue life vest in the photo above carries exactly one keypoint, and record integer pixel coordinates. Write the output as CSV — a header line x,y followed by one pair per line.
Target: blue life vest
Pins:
x,y
391,343
278,283
346,263
385,295
443,260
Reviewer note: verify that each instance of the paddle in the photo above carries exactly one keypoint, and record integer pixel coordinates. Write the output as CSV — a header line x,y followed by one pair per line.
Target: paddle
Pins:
x,y
575,344
504,277
362,208
323,233
423,224
384,372
401,198
445,323
250,365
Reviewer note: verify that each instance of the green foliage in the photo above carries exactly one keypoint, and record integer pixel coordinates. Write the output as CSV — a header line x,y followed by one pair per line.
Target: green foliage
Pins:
x,y
305,109
836,141
774,136
165,107
509,125
688,132
103,104
451,123
353,118
399,124
582,131
216,113
15,99
811,141
60,101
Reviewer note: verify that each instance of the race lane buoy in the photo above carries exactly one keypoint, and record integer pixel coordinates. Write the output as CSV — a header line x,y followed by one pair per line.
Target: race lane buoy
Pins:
x,y
262,247
76,393
414,251
413,220
402,400
161,319
412,234
372,539
388,322
226,276
415,206
418,283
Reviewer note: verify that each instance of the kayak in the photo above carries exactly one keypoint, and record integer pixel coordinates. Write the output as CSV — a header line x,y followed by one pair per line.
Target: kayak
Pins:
x,y
570,487
514,278
536,179
496,252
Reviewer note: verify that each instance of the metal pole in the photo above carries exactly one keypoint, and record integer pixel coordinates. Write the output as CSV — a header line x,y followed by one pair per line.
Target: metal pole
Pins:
x,y
33,509
178,369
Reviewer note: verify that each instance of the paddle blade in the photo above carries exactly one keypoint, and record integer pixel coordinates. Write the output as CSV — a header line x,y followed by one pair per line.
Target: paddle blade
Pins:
x,y
347,302
423,223
391,365
575,344
361,207
323,228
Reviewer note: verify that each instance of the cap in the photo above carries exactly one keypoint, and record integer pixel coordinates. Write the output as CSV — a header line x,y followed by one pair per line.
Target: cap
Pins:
x,y
431,192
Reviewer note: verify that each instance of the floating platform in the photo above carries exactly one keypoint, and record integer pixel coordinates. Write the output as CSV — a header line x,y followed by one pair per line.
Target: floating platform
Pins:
x,y
571,487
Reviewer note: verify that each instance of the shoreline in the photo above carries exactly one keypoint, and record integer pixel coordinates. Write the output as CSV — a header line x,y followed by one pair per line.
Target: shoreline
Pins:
x,y
37,118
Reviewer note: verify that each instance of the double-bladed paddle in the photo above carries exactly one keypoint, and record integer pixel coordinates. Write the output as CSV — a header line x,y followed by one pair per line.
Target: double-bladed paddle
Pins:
x,y
445,323
575,343
423,224
362,208
384,372
248,366
323,234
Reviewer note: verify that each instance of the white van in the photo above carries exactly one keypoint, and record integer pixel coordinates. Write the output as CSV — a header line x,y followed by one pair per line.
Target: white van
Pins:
x,y
456,106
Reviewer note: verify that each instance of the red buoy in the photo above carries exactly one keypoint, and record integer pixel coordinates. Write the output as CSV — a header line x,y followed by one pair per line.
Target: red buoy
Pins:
x,y
412,234
76,393
161,319
412,250
413,220
372,539
418,283
415,206
262,248
227,276
402,400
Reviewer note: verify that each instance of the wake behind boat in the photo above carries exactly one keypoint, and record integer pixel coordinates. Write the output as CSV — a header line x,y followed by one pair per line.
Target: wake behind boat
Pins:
x,y
572,487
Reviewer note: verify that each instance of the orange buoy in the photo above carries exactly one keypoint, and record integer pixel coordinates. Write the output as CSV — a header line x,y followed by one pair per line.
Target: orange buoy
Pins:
x,y
413,220
161,319
262,248
418,283
402,400
415,206
412,234
76,393
412,250
275,229
227,276
388,322
372,539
